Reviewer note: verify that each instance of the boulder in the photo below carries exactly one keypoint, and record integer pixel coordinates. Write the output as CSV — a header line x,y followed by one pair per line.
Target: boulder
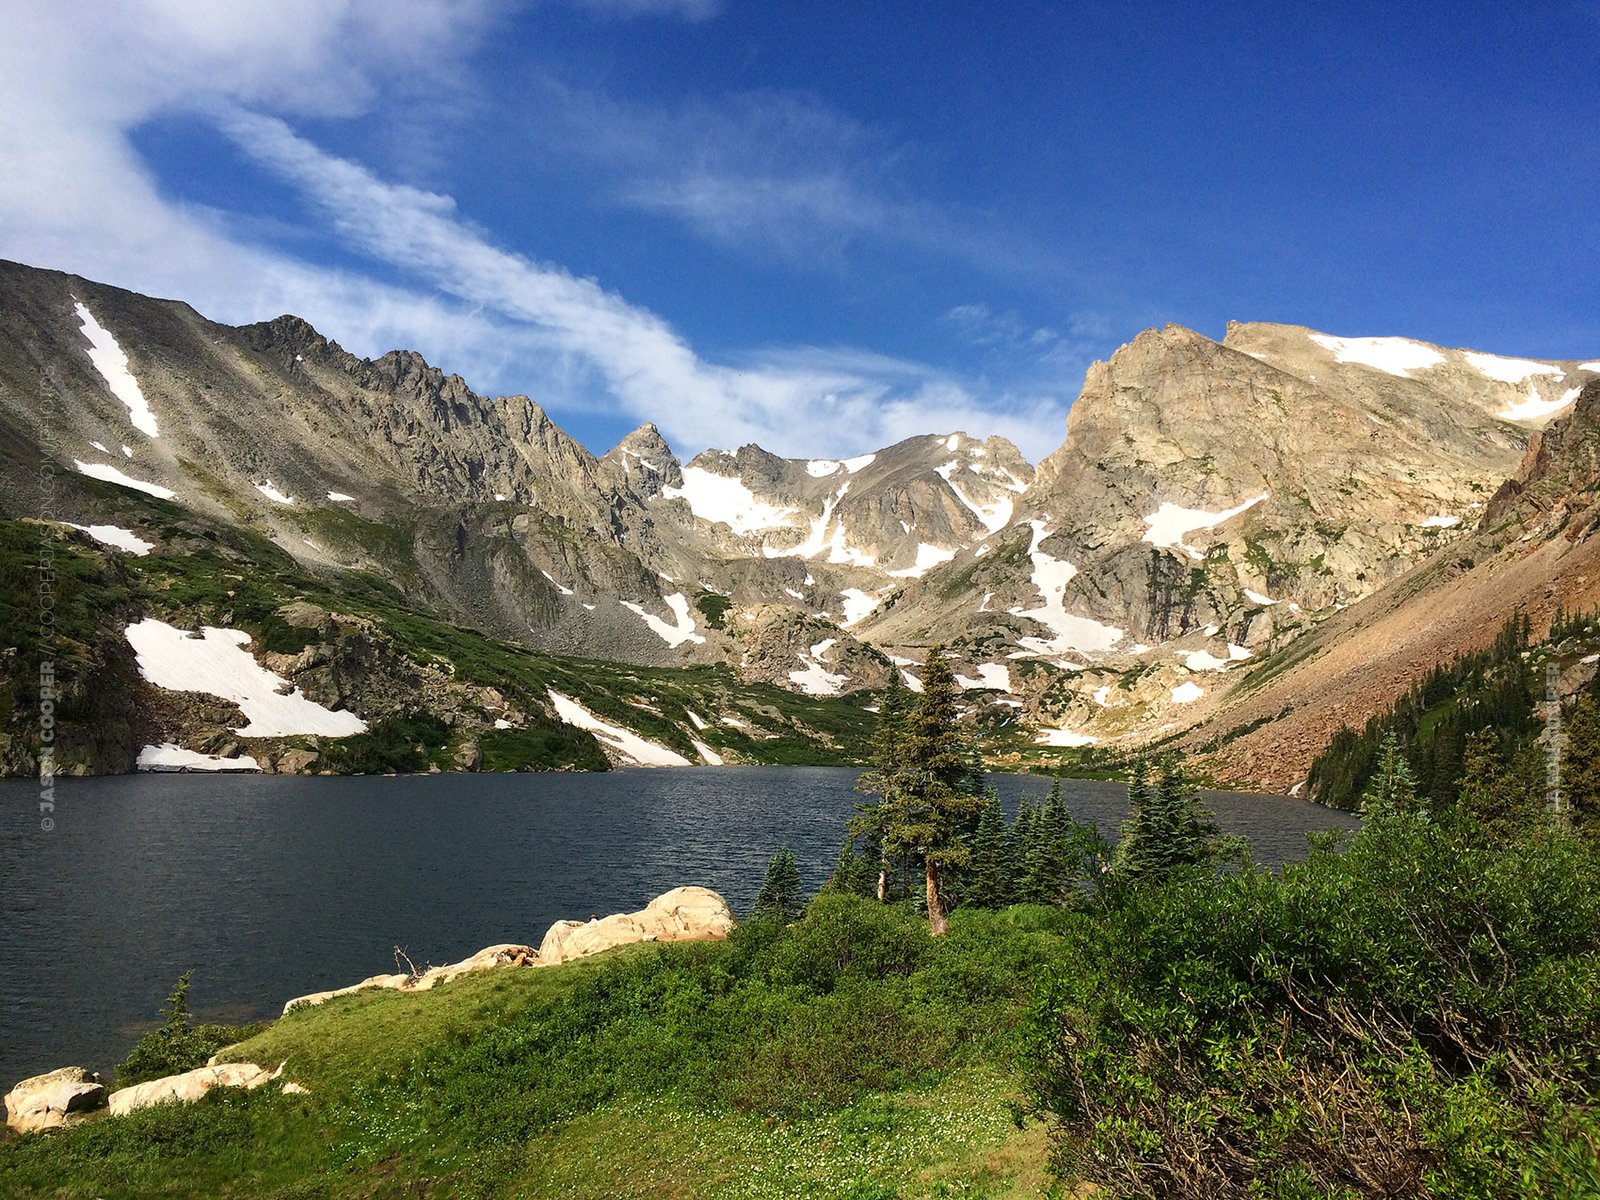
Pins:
x,y
507,954
373,981
683,914
46,1101
189,1086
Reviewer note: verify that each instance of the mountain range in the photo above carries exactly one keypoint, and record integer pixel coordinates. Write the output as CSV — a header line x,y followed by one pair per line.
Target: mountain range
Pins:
x,y
1228,529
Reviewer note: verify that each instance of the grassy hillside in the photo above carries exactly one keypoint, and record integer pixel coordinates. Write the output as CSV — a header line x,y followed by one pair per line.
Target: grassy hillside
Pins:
x,y
848,1055
231,577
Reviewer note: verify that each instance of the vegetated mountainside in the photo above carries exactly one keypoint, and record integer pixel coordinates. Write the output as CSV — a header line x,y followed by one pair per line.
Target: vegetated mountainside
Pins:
x,y
294,673
478,508
1533,551
1214,502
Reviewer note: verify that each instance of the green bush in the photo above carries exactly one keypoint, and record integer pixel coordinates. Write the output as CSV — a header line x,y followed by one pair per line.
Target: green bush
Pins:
x,y
1413,1014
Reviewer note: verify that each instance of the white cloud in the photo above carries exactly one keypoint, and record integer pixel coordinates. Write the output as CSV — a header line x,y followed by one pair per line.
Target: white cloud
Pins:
x,y
76,81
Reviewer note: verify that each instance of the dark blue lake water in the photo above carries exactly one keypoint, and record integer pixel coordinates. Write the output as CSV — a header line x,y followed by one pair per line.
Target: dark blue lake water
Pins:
x,y
274,887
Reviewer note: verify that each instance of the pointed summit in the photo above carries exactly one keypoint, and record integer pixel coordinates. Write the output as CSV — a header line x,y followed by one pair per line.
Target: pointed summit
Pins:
x,y
646,460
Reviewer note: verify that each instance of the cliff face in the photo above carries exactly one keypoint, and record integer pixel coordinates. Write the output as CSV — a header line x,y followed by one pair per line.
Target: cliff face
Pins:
x,y
1213,501
1534,551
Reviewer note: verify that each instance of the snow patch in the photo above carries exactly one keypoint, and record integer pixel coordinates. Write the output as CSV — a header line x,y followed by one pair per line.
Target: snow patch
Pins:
x,y
169,756
1396,356
1063,738
710,756
911,681
859,462
928,557
1051,576
696,719
1594,366
821,468
565,591
993,516
995,677
1187,693
1102,695
112,364
217,663
126,452
501,723
100,446
273,494
1441,522
1507,370
1534,407
340,498
624,741
674,635
857,604
724,500
1204,660
816,680
117,538
1256,597
111,475
1171,523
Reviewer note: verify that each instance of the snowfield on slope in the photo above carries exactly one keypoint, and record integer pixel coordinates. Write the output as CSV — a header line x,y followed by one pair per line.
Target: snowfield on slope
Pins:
x,y
1393,355
117,538
813,678
1534,407
110,474
218,664
169,756
624,741
1072,632
1171,523
725,500
112,363
674,635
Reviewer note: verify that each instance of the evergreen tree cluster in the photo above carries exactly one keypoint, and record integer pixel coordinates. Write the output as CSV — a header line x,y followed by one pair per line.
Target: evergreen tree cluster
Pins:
x,y
1488,691
1167,827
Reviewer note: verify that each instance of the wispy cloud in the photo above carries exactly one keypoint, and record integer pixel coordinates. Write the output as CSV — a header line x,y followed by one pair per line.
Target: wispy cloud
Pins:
x,y
76,80
850,399
775,173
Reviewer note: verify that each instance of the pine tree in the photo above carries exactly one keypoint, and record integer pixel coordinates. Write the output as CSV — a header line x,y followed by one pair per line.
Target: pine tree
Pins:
x,y
932,802
1167,826
1393,787
780,890
988,871
1049,874
1491,796
1018,840
882,779
855,873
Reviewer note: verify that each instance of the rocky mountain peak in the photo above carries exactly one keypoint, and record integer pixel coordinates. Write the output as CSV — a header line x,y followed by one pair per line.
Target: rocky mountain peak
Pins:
x,y
645,461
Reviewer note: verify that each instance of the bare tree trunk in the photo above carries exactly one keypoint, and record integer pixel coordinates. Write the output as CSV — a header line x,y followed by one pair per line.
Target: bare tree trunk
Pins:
x,y
883,882
936,922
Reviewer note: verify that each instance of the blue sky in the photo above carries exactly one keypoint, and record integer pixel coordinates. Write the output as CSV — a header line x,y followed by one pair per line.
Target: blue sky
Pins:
x,y
822,226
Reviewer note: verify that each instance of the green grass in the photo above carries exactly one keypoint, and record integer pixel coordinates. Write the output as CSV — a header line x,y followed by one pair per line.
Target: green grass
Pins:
x,y
848,1055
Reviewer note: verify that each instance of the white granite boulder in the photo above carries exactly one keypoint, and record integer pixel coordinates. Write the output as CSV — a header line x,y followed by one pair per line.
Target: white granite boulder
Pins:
x,y
47,1101
683,914
189,1086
